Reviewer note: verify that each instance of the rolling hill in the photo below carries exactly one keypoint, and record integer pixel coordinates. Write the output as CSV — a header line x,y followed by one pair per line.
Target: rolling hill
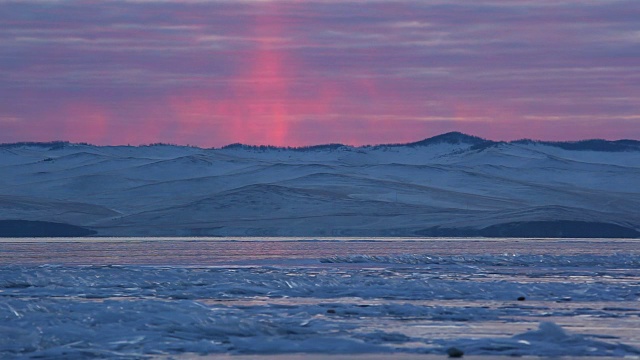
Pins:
x,y
449,185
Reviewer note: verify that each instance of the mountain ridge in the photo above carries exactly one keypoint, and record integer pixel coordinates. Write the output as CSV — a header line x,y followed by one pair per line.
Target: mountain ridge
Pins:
x,y
453,137
453,184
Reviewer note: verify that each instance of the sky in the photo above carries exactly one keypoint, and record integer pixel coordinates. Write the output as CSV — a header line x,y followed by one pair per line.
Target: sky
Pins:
x,y
291,72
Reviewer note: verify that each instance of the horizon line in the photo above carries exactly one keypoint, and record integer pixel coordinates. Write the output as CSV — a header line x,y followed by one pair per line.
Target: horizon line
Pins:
x,y
329,144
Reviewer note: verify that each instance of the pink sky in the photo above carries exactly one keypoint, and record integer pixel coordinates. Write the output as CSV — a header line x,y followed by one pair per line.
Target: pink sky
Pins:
x,y
211,73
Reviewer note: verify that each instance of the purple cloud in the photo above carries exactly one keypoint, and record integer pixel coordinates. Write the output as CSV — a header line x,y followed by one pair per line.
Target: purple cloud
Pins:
x,y
289,72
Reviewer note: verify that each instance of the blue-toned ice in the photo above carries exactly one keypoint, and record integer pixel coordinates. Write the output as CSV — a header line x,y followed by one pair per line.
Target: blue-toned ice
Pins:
x,y
341,305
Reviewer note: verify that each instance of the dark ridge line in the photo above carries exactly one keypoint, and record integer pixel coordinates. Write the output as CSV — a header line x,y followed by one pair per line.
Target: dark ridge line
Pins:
x,y
52,145
477,143
27,228
294,148
538,229
590,144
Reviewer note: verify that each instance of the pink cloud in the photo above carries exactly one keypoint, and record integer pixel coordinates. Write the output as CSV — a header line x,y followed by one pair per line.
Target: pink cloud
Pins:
x,y
300,73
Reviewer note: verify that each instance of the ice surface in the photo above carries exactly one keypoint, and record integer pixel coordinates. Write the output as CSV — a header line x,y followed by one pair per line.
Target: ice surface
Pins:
x,y
548,340
586,261
353,304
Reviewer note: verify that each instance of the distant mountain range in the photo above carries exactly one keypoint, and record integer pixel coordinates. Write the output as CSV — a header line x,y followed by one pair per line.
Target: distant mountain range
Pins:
x,y
448,138
448,185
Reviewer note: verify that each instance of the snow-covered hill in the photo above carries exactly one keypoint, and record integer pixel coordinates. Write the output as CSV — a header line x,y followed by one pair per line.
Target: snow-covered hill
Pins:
x,y
452,184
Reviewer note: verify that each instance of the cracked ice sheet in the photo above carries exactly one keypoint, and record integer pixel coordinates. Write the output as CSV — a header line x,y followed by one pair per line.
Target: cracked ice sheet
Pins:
x,y
403,304
133,327
136,328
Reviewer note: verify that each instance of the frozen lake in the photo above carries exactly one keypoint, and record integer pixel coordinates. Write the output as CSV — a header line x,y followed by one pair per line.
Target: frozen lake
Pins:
x,y
164,297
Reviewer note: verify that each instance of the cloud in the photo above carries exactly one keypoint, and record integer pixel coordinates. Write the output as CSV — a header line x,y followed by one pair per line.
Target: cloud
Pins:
x,y
9,119
291,71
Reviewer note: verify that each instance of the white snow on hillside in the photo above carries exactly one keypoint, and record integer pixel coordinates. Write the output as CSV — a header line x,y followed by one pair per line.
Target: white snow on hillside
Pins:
x,y
379,190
